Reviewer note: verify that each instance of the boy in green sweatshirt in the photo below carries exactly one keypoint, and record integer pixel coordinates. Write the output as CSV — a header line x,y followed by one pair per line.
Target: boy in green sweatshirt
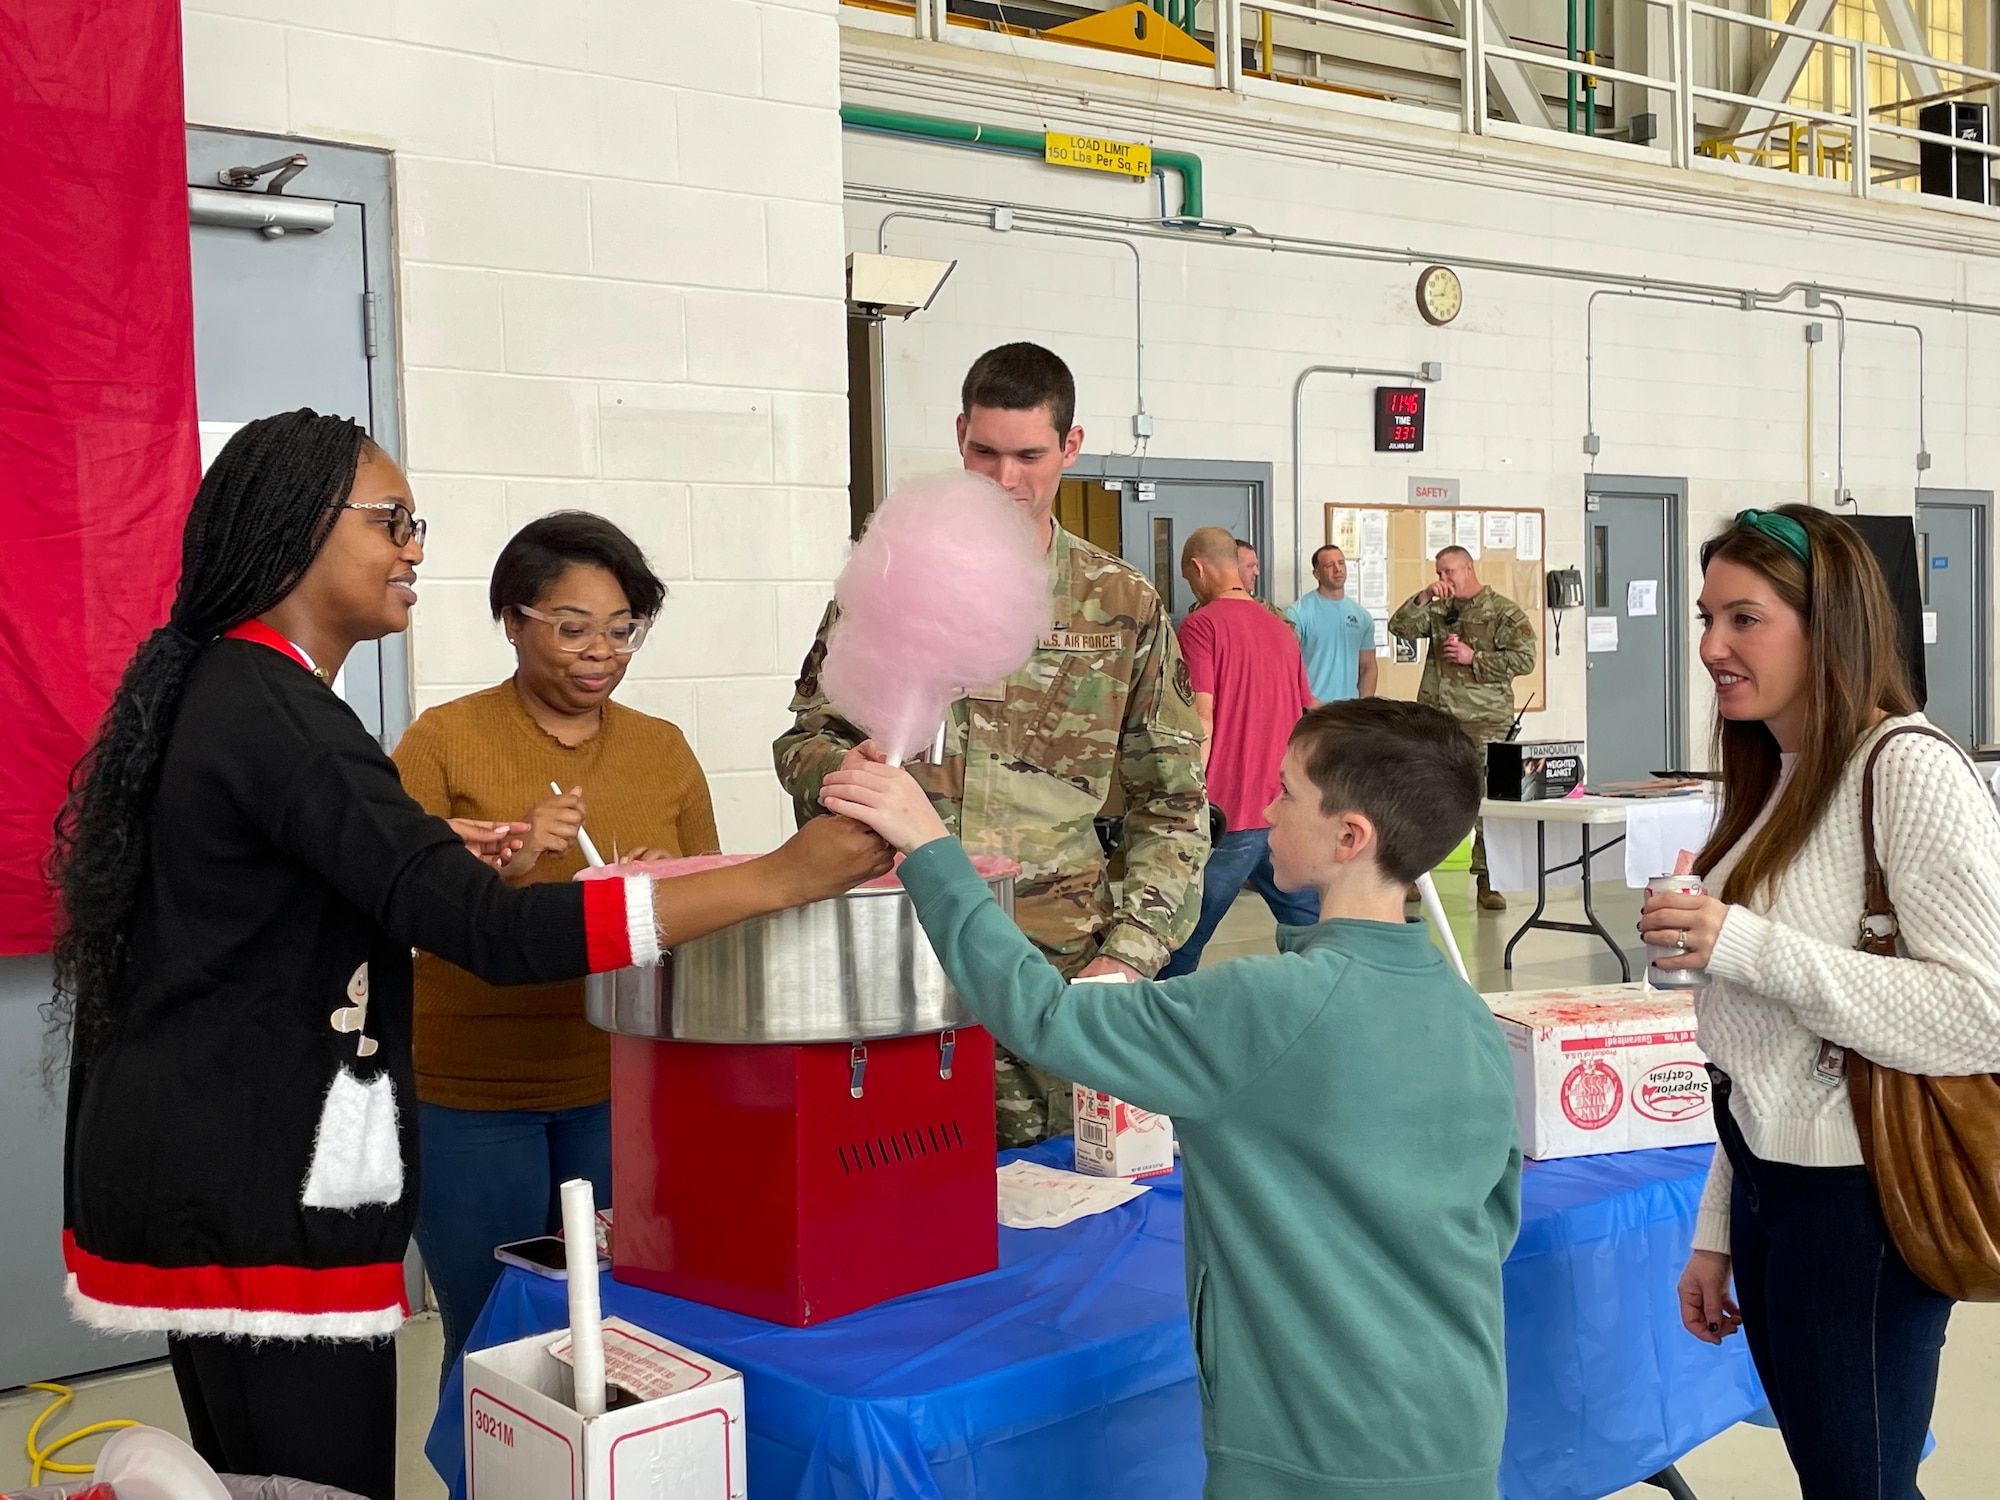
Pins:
x,y
1345,1110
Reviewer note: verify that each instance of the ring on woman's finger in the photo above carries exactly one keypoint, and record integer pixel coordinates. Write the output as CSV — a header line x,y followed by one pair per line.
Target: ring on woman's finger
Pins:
x,y
1681,941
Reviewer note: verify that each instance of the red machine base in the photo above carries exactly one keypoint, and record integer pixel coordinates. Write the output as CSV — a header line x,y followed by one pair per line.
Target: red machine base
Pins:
x,y
751,1178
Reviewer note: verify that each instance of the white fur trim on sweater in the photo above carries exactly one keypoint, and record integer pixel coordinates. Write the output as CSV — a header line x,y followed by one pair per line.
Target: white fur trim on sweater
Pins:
x,y
357,1157
1786,973
231,1322
641,926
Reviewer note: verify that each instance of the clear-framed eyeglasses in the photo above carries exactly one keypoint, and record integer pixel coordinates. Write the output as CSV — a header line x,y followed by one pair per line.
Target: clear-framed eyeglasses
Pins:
x,y
402,526
574,633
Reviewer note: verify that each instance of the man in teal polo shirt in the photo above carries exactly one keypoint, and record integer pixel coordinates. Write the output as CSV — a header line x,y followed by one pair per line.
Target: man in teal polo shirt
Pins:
x,y
1336,634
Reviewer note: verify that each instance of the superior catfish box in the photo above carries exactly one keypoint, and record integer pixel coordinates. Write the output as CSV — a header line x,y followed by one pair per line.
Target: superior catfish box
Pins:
x,y
1533,770
676,1432
1608,1068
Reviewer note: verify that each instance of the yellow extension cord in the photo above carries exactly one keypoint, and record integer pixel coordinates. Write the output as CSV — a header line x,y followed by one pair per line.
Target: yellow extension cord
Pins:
x,y
42,1458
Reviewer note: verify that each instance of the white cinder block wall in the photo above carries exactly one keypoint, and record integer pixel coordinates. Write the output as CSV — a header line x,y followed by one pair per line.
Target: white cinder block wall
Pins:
x,y
619,237
1713,397
619,278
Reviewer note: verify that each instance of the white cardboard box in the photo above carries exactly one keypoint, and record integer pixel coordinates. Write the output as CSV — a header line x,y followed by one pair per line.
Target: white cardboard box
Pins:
x,y
1113,1139
1606,1068
1116,1139
525,1441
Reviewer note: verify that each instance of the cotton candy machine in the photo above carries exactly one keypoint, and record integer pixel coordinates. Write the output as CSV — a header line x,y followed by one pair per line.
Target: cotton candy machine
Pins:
x,y
801,1111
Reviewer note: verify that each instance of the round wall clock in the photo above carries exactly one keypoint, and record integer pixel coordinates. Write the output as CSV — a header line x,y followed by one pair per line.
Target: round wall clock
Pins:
x,y
1439,295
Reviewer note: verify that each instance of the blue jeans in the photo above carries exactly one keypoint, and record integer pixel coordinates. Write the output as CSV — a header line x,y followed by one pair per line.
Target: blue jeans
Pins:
x,y
1241,857
1845,1337
491,1176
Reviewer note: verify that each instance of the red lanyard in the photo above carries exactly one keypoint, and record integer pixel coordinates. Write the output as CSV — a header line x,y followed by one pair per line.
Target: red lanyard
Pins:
x,y
264,635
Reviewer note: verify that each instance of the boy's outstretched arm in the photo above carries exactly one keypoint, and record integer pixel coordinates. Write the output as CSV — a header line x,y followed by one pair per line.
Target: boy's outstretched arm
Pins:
x,y
1183,1048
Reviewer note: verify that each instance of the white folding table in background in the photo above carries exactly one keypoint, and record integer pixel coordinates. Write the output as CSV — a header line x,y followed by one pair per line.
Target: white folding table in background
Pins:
x,y
1653,832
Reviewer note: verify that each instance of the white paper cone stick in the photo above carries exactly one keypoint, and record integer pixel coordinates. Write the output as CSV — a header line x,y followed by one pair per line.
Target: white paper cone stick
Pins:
x,y
1434,909
590,855
586,1327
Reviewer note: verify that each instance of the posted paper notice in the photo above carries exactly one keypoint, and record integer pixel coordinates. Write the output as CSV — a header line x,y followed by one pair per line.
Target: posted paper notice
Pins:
x,y
1600,633
1373,589
1642,597
1437,531
1375,535
1528,538
1466,531
1344,531
1500,529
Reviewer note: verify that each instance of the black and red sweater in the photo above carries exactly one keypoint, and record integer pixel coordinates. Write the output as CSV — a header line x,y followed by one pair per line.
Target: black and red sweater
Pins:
x,y
241,1154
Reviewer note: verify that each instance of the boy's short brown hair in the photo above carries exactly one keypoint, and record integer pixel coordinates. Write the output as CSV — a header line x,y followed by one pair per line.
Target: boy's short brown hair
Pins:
x,y
1408,768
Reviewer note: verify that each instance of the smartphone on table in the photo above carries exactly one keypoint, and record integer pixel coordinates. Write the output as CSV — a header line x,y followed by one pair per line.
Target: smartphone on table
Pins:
x,y
545,1255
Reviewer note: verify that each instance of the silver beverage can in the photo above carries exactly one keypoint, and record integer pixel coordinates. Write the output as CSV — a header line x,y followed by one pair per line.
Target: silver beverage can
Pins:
x,y
1672,979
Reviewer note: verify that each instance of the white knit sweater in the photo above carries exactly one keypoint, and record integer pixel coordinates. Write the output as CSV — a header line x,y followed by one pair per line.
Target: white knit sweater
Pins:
x,y
1785,973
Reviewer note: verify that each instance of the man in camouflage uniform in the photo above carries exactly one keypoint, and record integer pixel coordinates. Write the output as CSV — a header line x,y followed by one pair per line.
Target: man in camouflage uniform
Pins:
x,y
1029,762
1480,642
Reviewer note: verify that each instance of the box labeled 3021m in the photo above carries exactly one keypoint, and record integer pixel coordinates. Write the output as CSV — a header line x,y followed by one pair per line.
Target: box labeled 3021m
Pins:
x,y
1533,770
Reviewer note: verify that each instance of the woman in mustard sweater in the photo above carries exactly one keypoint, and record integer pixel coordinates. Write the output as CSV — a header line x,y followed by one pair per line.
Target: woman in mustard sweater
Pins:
x,y
513,1083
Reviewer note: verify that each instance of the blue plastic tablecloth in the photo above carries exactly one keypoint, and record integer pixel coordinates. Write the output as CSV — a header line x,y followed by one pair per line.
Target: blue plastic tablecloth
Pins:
x,y
1072,1362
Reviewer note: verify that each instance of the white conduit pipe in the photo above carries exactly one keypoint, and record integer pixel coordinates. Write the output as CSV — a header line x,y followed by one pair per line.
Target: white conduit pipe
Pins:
x,y
1000,221
1249,237
1299,549
1814,307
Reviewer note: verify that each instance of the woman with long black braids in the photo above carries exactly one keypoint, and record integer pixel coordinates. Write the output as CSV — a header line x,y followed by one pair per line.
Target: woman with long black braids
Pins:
x,y
242,881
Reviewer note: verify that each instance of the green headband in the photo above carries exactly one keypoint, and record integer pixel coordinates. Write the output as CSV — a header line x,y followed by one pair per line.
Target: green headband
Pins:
x,y
1783,530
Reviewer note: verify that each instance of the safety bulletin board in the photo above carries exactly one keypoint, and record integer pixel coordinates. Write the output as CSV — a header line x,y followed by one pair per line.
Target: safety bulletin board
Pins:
x,y
1390,556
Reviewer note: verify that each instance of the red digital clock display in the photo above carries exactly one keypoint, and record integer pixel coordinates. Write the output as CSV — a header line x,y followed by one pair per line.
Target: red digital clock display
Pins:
x,y
1399,419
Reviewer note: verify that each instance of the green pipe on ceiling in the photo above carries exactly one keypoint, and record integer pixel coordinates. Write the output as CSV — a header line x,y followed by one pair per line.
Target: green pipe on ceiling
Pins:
x,y
1570,80
1003,138
1589,56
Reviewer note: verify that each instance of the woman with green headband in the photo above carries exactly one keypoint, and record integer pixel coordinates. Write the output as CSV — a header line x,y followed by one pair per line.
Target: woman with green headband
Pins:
x,y
1801,641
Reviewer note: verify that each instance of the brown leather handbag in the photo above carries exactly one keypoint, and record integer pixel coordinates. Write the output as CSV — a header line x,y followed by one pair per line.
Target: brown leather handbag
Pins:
x,y
1932,1144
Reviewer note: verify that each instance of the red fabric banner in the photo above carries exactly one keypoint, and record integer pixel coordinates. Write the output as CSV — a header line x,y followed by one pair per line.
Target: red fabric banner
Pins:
x,y
98,445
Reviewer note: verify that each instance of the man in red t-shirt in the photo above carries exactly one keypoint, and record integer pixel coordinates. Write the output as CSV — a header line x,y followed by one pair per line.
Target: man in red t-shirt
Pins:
x,y
1249,690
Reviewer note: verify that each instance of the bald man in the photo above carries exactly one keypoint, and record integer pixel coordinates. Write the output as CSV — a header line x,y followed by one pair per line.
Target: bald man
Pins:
x,y
1249,690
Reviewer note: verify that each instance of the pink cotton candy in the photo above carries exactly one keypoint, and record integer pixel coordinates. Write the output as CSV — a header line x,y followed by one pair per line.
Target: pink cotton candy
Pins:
x,y
947,589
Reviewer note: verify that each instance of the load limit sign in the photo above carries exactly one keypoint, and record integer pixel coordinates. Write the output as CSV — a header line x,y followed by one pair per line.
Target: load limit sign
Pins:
x,y
1096,153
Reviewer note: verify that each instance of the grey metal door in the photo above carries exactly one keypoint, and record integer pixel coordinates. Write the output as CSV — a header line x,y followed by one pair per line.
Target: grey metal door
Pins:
x,y
1160,514
1951,546
1633,602
302,319
279,324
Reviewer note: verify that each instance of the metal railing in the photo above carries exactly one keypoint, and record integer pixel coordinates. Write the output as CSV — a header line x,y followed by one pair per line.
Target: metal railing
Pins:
x,y
1832,143
1801,146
